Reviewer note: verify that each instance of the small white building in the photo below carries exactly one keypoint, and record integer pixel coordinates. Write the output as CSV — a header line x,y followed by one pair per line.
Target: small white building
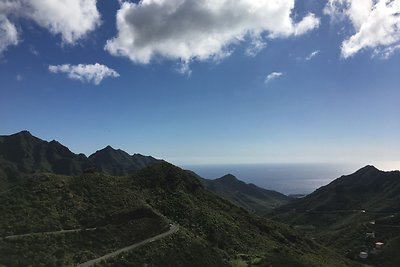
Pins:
x,y
363,255
379,245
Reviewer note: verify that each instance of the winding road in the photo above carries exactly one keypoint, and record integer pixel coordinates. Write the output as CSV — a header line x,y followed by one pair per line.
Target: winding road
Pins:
x,y
172,230
48,233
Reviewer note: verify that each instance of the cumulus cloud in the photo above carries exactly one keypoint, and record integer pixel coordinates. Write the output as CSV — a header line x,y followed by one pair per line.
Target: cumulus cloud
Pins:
x,y
94,73
8,34
273,76
8,6
71,19
376,24
312,55
188,30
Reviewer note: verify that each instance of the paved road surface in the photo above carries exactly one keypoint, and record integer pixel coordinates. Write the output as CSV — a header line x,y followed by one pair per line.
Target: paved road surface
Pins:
x,y
48,233
172,230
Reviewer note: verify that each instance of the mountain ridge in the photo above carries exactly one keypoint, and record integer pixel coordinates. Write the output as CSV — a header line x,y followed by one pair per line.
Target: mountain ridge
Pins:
x,y
245,195
359,190
341,213
22,154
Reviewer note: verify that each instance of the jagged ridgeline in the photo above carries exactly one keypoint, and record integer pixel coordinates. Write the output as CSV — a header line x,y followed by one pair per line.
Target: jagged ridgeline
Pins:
x,y
62,220
22,154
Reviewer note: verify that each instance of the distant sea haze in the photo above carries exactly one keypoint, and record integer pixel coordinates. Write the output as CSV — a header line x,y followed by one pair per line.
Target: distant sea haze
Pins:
x,y
284,178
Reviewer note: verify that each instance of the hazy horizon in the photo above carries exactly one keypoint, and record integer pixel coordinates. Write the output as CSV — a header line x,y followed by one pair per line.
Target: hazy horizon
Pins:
x,y
295,178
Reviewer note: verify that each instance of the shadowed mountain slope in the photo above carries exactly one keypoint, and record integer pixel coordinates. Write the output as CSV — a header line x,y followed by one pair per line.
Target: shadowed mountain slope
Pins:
x,y
248,196
22,154
118,162
367,189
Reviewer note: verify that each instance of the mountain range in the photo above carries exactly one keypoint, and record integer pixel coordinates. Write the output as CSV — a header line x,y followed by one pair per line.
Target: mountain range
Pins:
x,y
63,209
159,215
23,154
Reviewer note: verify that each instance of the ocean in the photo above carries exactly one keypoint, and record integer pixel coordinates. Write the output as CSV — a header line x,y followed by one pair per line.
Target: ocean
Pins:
x,y
284,178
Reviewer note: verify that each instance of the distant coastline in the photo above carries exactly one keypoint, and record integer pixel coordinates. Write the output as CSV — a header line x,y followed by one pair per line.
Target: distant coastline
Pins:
x,y
285,178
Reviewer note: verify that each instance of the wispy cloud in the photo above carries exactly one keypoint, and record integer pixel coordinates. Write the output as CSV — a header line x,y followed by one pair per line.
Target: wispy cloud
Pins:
x,y
257,44
33,50
272,76
184,68
18,77
312,55
376,25
8,33
93,73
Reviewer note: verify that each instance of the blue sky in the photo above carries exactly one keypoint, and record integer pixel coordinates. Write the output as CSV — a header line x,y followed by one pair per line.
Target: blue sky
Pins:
x,y
192,91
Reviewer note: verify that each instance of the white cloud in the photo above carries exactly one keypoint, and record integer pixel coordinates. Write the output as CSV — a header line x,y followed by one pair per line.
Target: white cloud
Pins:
x,y
387,52
312,55
376,24
188,30
184,68
257,44
18,77
308,22
8,6
86,73
71,19
8,34
273,76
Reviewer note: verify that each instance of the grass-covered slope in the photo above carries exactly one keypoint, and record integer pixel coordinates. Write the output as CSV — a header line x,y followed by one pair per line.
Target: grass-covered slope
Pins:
x,y
208,221
248,196
125,210
342,212
49,203
368,189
